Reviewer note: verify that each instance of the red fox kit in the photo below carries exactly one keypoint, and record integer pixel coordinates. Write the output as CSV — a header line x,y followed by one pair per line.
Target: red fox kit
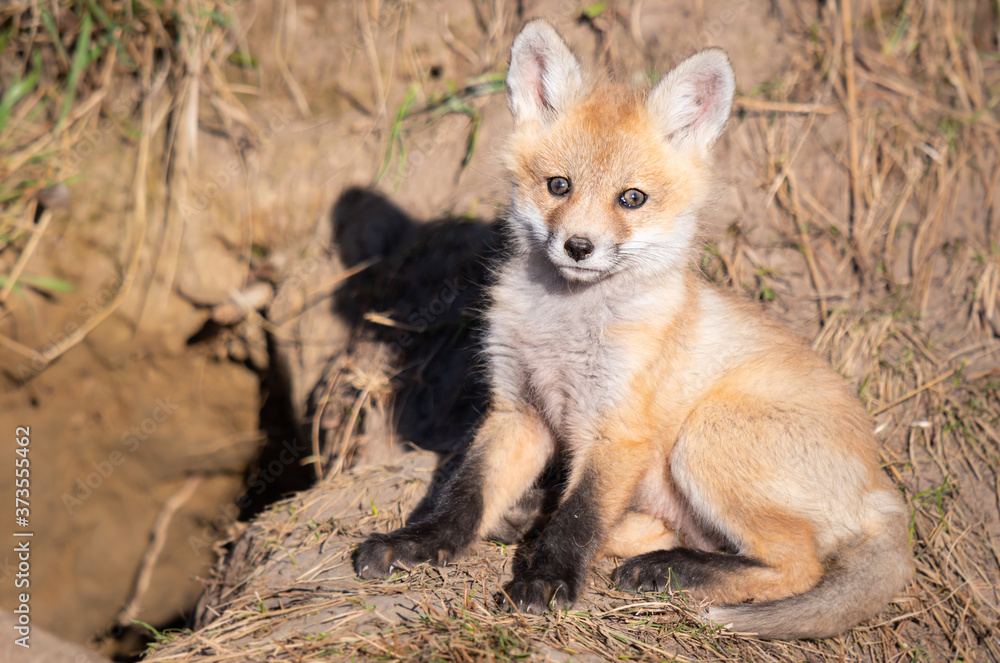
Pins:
x,y
704,443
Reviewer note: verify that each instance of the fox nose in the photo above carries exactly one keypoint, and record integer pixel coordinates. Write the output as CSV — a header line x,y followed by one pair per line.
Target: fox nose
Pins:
x,y
578,248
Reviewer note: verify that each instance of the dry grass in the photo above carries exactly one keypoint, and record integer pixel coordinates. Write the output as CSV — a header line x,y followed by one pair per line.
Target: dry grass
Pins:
x,y
75,75
875,160
875,228
887,232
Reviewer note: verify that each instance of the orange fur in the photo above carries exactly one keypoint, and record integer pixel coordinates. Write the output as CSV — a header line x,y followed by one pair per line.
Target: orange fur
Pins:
x,y
637,533
513,446
700,435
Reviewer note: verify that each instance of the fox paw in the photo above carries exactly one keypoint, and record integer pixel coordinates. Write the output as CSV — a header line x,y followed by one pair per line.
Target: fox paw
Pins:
x,y
377,557
381,555
651,572
535,596
680,568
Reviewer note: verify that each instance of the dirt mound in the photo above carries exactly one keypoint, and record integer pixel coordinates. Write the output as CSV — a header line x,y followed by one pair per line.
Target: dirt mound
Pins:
x,y
857,201
860,208
119,429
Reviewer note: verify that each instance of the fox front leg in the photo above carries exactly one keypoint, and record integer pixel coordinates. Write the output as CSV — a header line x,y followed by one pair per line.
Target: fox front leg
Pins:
x,y
602,482
510,451
559,561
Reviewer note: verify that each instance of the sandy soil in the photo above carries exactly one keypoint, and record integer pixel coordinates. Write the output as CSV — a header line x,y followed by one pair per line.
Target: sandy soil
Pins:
x,y
271,199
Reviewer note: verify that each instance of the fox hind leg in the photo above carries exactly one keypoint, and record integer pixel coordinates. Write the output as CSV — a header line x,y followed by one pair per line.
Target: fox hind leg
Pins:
x,y
637,533
775,543
776,560
679,568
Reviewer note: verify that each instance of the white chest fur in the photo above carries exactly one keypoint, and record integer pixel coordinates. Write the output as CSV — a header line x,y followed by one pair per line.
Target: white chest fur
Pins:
x,y
553,345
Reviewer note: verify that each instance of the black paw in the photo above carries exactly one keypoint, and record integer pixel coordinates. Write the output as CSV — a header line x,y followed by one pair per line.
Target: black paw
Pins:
x,y
535,596
378,557
651,572
680,568
381,555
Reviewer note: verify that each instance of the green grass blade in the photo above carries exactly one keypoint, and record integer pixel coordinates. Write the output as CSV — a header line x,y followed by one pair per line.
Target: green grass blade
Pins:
x,y
594,10
20,88
470,145
50,27
16,289
81,58
395,133
245,60
101,15
485,85
5,36
46,283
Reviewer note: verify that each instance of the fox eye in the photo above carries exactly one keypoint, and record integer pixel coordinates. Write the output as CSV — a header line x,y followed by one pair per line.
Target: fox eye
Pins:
x,y
632,199
558,186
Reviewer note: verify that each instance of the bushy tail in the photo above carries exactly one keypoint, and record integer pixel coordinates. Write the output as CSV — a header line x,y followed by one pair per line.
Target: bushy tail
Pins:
x,y
865,578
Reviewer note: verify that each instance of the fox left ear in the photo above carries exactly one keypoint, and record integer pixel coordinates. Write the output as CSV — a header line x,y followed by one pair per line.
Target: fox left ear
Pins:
x,y
544,76
693,102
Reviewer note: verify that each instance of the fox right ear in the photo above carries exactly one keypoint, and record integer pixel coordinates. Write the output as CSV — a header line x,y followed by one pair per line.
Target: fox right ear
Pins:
x,y
544,76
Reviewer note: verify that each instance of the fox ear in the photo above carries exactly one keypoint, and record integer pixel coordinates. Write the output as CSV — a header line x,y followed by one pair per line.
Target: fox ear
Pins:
x,y
544,76
692,103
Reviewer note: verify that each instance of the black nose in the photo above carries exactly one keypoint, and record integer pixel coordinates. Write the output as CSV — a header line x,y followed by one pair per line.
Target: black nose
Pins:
x,y
578,248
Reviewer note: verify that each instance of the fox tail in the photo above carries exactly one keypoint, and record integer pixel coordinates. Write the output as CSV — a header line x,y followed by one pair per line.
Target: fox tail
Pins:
x,y
861,582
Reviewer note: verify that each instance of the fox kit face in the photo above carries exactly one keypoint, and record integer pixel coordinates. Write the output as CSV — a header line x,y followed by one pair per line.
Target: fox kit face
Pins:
x,y
608,180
